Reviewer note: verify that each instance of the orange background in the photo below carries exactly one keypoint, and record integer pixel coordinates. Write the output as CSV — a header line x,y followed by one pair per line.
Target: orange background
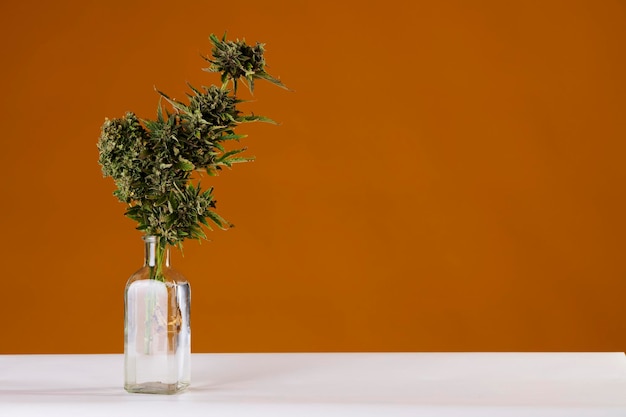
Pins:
x,y
448,175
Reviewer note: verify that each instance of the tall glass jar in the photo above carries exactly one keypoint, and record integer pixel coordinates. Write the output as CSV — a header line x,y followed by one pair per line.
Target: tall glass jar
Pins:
x,y
157,333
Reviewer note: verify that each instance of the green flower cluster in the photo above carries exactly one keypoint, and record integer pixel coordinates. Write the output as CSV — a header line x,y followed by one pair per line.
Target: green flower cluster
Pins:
x,y
151,161
237,60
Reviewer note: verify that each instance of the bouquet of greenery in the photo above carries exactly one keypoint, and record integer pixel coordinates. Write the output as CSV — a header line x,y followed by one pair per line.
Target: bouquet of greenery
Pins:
x,y
152,161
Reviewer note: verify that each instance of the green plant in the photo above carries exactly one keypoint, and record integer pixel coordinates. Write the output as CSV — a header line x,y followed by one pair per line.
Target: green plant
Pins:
x,y
152,161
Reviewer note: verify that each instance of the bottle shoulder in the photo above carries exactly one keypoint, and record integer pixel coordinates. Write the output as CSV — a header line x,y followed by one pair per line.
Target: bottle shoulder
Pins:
x,y
170,275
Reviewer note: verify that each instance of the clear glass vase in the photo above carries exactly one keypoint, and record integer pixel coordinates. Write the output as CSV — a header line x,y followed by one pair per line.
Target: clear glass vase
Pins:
x,y
157,333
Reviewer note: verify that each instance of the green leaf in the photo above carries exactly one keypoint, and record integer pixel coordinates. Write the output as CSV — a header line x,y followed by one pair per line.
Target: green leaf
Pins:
x,y
160,112
218,220
239,160
185,164
232,137
230,153
253,118
215,40
177,105
220,147
195,90
265,76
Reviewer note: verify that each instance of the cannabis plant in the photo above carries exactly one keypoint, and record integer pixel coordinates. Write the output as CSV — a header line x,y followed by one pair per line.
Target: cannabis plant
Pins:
x,y
152,161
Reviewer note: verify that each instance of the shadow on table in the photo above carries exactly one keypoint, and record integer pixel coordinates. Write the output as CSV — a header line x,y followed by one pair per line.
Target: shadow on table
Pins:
x,y
232,371
68,392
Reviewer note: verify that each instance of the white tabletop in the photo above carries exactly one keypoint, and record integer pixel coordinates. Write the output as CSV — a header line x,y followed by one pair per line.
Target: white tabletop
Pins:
x,y
326,384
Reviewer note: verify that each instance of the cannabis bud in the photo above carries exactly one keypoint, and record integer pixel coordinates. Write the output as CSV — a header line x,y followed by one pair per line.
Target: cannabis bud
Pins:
x,y
151,161
237,60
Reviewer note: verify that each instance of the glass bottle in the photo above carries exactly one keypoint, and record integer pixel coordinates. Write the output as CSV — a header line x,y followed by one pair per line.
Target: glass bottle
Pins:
x,y
157,333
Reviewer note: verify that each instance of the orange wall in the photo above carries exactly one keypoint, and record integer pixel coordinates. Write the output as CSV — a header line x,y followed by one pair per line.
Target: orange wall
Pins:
x,y
449,175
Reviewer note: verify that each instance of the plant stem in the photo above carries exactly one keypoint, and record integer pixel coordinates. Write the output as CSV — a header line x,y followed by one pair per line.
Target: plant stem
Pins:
x,y
156,271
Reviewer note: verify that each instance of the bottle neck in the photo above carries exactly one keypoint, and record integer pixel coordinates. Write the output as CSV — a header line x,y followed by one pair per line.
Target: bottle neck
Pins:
x,y
155,253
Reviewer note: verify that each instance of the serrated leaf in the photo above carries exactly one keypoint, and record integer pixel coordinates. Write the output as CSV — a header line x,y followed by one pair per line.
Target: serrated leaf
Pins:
x,y
226,156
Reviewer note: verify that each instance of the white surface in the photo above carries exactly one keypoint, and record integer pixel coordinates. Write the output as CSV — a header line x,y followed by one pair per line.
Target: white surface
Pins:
x,y
327,384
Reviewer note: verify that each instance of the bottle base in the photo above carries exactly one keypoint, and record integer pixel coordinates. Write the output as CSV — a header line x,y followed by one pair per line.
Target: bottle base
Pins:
x,y
156,388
